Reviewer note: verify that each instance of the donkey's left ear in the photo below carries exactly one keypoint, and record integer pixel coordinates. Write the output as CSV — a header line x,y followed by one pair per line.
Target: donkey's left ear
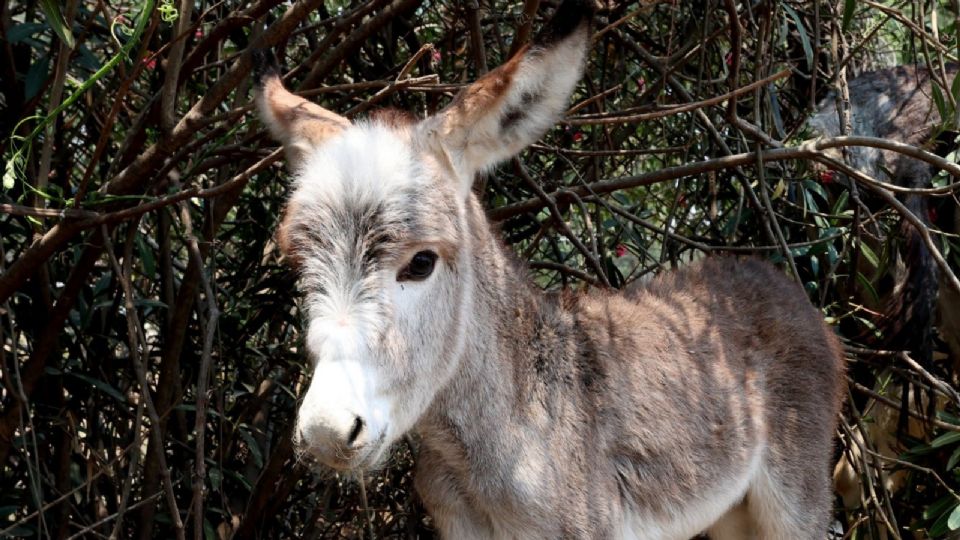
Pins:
x,y
297,123
511,107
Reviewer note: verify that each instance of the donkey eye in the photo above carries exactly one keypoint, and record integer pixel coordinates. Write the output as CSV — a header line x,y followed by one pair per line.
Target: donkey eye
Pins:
x,y
419,268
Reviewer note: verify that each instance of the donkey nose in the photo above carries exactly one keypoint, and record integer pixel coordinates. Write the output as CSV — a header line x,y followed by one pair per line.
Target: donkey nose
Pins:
x,y
331,437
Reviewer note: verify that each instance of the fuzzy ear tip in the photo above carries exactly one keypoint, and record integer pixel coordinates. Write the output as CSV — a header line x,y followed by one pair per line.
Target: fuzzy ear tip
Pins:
x,y
569,16
265,65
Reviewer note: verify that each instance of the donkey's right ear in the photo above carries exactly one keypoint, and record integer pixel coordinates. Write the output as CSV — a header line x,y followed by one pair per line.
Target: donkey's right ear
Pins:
x,y
297,123
512,106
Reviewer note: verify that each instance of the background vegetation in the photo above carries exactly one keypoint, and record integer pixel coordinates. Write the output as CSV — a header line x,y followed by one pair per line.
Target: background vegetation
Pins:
x,y
150,360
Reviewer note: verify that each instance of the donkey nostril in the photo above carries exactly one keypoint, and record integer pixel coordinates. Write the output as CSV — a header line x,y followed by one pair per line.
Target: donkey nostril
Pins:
x,y
355,431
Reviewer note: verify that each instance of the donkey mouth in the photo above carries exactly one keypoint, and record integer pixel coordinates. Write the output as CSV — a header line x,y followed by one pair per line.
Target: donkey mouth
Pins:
x,y
342,459
338,459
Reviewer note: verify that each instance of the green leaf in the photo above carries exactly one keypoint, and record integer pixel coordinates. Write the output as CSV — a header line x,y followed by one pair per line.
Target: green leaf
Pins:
x,y
20,32
252,446
800,251
938,99
955,92
103,386
868,287
242,480
209,533
775,110
848,8
52,10
778,190
36,76
146,258
939,507
216,478
869,255
953,522
841,204
613,273
832,254
86,58
945,439
818,189
149,303
947,417
804,38
942,525
954,458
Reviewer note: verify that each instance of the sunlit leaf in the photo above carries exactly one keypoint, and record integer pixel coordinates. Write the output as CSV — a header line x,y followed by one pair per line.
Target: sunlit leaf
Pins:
x,y
55,18
945,439
953,522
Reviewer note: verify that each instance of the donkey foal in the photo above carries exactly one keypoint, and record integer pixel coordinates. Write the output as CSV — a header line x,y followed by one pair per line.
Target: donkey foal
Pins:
x,y
703,402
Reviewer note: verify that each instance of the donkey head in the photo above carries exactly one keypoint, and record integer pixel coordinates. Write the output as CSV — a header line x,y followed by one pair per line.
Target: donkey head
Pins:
x,y
377,228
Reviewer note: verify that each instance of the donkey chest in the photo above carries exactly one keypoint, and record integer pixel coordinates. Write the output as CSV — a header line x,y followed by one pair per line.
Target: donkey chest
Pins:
x,y
505,493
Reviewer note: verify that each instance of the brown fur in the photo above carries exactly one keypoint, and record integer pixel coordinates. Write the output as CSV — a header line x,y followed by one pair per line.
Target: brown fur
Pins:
x,y
286,240
297,122
483,95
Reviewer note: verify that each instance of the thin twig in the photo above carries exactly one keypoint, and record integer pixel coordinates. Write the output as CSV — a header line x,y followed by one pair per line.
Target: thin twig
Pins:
x,y
136,329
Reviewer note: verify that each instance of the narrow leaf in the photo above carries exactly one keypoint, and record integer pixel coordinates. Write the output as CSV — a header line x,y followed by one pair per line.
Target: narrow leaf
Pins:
x,y
55,18
945,439
869,255
954,458
848,8
20,32
953,522
938,99
103,386
804,38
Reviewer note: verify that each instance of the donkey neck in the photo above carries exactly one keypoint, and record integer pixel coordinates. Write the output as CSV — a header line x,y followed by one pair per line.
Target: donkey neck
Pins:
x,y
523,365
510,318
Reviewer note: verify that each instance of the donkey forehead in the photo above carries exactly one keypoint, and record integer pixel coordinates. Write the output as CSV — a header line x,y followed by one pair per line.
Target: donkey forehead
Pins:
x,y
373,175
366,163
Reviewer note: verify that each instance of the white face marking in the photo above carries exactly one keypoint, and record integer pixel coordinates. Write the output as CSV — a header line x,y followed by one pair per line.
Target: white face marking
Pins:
x,y
365,203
